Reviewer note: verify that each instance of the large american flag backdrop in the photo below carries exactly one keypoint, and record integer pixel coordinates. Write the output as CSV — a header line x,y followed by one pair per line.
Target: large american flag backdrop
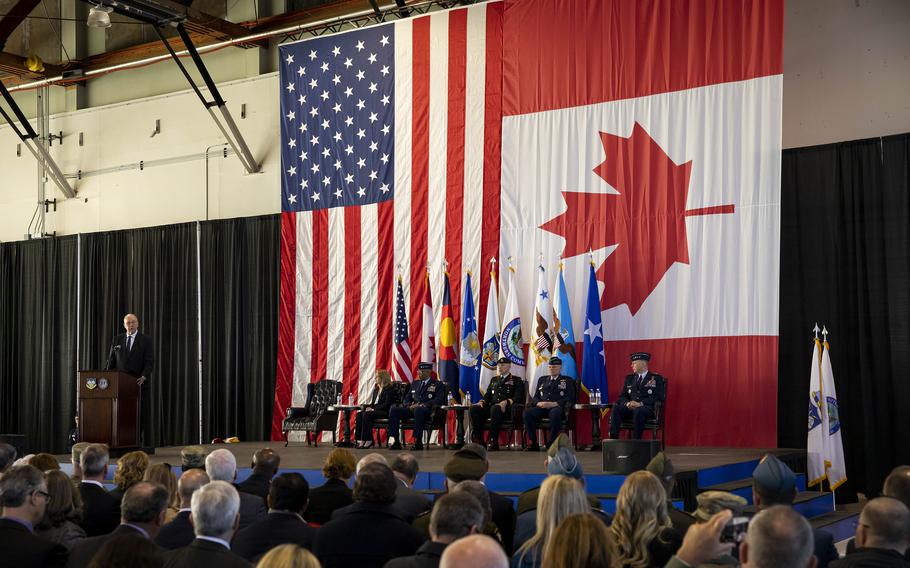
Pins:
x,y
646,133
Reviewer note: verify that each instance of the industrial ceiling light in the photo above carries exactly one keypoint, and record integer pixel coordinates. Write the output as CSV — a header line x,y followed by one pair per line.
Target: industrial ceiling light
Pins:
x,y
99,16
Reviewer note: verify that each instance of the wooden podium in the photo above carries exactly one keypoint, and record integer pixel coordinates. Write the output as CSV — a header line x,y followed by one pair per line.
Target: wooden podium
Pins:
x,y
109,408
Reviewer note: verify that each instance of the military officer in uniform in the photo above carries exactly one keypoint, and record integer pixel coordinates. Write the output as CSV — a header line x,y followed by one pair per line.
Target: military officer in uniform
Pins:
x,y
640,391
502,393
425,396
552,394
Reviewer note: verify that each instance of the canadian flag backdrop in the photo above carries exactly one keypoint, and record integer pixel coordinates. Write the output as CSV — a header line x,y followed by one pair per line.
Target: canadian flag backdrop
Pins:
x,y
649,133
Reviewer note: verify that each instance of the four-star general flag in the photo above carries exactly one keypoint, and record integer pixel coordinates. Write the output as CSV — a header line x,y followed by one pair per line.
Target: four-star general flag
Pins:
x,y
406,128
593,363
490,357
401,359
469,358
650,133
563,332
448,359
541,346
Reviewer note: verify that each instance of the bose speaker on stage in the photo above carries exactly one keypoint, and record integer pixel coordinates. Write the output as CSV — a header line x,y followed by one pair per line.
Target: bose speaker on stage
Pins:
x,y
627,456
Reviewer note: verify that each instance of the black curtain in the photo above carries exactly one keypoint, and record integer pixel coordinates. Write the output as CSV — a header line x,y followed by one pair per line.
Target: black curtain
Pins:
x,y
38,341
845,262
239,260
152,273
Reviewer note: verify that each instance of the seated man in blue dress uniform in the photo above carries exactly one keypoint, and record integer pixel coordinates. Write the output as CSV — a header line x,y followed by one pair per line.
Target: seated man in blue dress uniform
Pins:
x,y
640,391
425,396
549,400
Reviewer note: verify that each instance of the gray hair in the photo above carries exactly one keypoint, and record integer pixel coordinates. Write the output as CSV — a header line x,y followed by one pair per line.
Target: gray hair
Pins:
x,y
371,458
214,508
887,522
18,483
779,537
454,515
479,492
7,456
221,465
406,464
94,459
76,452
143,502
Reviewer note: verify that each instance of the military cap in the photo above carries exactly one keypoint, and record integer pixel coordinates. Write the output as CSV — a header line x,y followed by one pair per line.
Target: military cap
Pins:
x,y
661,466
504,360
773,475
712,502
424,366
555,361
561,441
563,461
640,356
470,462
192,457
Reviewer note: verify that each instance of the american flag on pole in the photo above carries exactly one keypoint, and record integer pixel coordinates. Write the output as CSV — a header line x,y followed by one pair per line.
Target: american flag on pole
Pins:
x,y
401,370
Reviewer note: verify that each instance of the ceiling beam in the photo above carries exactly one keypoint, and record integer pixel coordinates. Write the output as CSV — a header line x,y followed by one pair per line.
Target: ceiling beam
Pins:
x,y
14,17
15,65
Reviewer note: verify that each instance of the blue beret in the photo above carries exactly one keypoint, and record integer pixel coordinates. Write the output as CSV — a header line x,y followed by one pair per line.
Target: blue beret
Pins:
x,y
555,361
641,356
773,475
424,366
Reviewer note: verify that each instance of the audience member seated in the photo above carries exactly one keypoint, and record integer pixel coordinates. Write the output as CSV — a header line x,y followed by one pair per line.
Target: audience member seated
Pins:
x,y
662,467
161,474
23,499
709,504
454,516
409,501
882,536
63,513
265,466
75,456
479,491
475,551
7,457
128,551
641,526
283,525
381,398
179,532
365,460
221,465
215,516
581,541
289,556
130,471
773,483
142,514
702,543
372,532
560,496
44,462
192,457
100,510
334,494
897,485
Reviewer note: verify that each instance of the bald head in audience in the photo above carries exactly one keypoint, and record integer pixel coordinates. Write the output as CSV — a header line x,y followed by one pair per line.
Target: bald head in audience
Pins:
x,y
189,483
884,523
897,484
778,537
476,551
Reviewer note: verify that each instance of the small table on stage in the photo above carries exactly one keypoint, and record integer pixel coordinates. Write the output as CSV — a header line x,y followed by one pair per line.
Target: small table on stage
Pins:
x,y
459,410
596,410
346,410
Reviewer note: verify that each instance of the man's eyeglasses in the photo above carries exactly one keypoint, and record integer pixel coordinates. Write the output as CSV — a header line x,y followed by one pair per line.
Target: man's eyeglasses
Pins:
x,y
44,494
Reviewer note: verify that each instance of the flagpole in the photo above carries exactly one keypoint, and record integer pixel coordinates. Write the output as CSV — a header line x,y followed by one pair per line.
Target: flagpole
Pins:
x,y
825,342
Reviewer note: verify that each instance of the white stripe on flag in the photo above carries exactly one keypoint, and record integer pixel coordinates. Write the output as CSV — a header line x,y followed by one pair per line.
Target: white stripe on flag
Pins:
x,y
475,82
403,124
303,318
438,135
336,320
369,273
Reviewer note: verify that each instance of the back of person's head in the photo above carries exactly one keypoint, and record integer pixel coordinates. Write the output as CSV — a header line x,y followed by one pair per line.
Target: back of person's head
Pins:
x,y
370,458
560,496
339,464
478,491
64,503
144,502
661,466
44,462
192,457
76,452
778,537
581,541
641,514
94,460
214,509
190,482
288,556
130,469
375,484
454,516
266,460
289,492
884,523
773,483
161,473
127,551
18,483
897,484
475,551
221,465
406,465
7,457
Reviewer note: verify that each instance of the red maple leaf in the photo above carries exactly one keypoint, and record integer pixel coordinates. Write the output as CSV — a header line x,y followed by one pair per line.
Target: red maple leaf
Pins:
x,y
646,220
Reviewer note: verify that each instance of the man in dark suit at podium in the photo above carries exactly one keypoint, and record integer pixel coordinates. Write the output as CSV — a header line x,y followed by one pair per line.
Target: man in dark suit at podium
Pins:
x,y
133,352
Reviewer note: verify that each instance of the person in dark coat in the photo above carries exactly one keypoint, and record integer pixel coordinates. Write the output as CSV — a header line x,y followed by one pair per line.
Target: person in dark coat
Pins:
x,y
505,390
265,466
221,465
454,516
100,509
882,536
134,353
425,395
381,399
215,517
371,532
640,392
897,485
284,523
409,501
553,394
23,500
334,494
179,532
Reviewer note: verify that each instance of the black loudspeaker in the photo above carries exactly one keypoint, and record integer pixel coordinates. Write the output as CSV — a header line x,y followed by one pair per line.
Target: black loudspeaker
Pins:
x,y
17,441
626,456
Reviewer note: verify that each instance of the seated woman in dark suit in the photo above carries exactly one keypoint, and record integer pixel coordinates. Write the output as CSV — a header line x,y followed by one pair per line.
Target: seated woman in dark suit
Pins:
x,y
381,400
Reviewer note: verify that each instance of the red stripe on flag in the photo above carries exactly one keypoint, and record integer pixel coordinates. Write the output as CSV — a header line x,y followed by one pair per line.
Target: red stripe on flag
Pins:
x,y
319,334
420,149
385,296
352,295
287,313
492,150
566,54
458,32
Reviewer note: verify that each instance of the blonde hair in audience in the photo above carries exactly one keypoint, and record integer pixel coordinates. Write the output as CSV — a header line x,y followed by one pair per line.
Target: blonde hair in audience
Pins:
x,y
339,464
383,378
130,469
581,541
641,514
161,473
288,556
560,496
